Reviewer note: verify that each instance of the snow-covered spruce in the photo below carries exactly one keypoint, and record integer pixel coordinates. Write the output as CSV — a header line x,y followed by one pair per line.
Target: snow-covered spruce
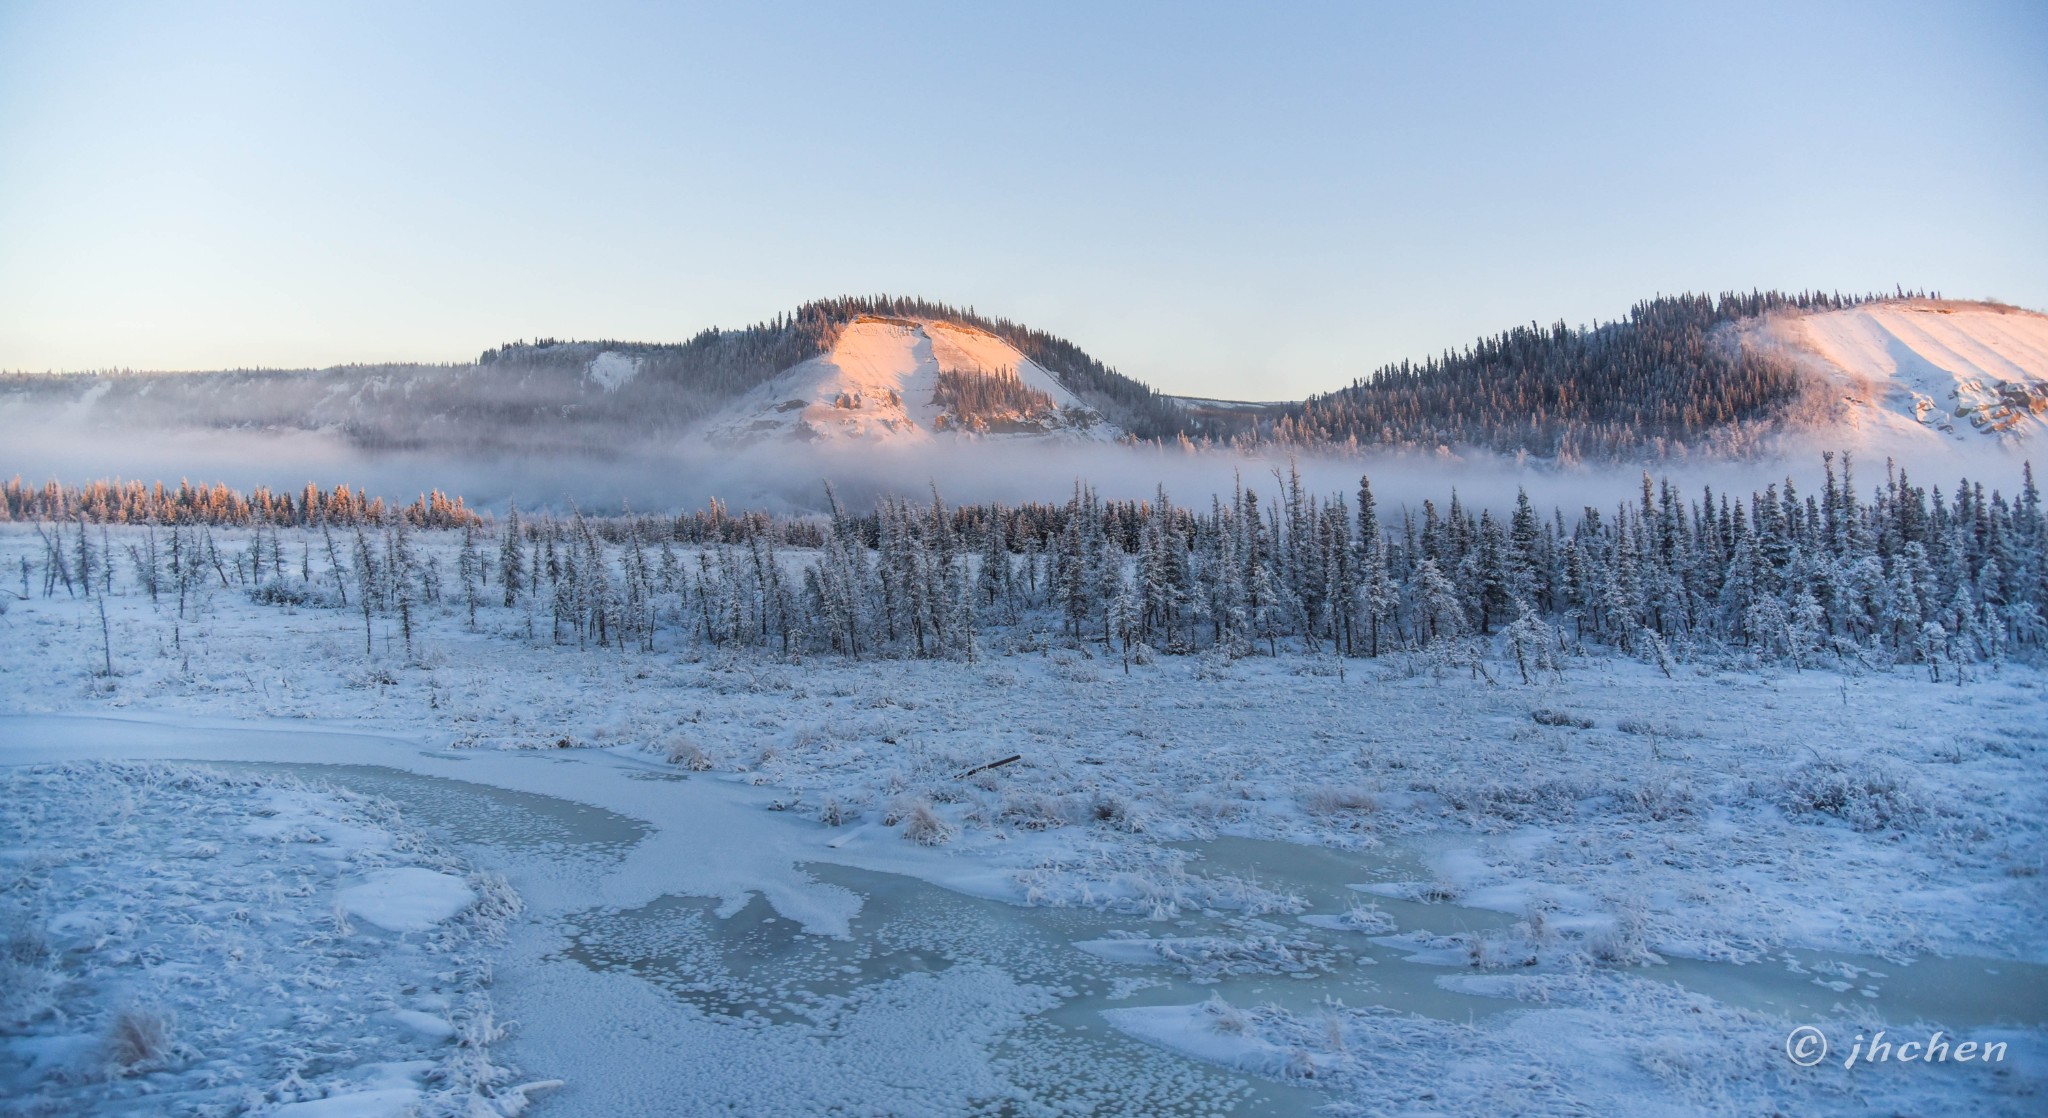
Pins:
x,y
1900,574
179,940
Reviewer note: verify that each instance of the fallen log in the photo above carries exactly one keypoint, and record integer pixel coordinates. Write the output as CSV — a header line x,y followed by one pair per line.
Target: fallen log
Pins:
x,y
990,765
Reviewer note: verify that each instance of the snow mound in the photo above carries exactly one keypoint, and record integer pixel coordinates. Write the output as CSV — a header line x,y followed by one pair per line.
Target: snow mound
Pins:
x,y
899,381
407,899
1923,371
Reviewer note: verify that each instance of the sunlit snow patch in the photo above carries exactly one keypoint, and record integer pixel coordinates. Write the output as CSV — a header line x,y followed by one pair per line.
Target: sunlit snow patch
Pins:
x,y
610,369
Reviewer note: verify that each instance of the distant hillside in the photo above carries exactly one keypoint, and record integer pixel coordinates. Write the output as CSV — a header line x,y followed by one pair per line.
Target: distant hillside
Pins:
x,y
554,395
1695,375
910,380
1671,376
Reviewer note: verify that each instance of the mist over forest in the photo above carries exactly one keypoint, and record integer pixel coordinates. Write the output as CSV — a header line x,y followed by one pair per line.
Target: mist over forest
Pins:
x,y
791,480
606,426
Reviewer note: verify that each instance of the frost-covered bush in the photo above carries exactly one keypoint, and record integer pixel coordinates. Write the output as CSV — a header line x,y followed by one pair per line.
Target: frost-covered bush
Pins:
x,y
292,592
1224,1017
1368,919
1521,801
138,1040
1623,943
1642,728
1207,959
1214,666
921,824
1869,796
1030,811
1434,892
29,979
1325,667
833,813
1120,814
1215,809
1072,665
688,754
1495,949
1328,801
1660,799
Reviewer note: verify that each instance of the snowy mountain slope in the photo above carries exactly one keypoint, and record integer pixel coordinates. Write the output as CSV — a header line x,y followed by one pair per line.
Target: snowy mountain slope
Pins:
x,y
1922,370
1737,375
903,380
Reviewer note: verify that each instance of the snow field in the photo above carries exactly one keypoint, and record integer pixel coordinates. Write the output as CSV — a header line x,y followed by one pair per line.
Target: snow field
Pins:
x,y
1721,813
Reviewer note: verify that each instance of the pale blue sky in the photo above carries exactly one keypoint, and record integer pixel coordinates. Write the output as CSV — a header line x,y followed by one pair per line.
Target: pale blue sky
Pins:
x,y
1238,200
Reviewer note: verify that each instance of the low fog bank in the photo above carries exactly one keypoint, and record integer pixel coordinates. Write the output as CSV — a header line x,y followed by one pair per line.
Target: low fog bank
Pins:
x,y
786,478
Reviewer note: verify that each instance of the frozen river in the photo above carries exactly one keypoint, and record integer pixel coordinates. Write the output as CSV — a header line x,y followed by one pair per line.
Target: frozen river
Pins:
x,y
681,943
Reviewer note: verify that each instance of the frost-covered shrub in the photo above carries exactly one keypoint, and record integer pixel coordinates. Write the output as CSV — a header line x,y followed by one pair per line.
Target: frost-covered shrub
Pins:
x,y
29,980
1209,959
137,1040
1215,809
1034,638
1214,666
1435,892
807,735
1328,801
371,676
1071,665
1624,943
1661,799
1871,796
1497,948
687,754
1120,814
833,813
923,826
1030,811
1521,801
290,592
1368,919
1224,1017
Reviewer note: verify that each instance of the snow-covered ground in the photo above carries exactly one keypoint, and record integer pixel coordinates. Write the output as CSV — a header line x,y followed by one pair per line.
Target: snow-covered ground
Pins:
x,y
1559,914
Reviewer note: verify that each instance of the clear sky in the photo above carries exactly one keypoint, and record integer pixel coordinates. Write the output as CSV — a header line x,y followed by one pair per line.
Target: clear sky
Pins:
x,y
1227,199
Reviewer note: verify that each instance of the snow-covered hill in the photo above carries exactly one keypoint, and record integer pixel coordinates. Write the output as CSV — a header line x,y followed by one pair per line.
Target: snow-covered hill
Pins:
x,y
905,380
1919,371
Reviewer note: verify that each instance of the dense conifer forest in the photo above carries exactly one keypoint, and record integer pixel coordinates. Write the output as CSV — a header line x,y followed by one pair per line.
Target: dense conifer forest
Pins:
x,y
1898,572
